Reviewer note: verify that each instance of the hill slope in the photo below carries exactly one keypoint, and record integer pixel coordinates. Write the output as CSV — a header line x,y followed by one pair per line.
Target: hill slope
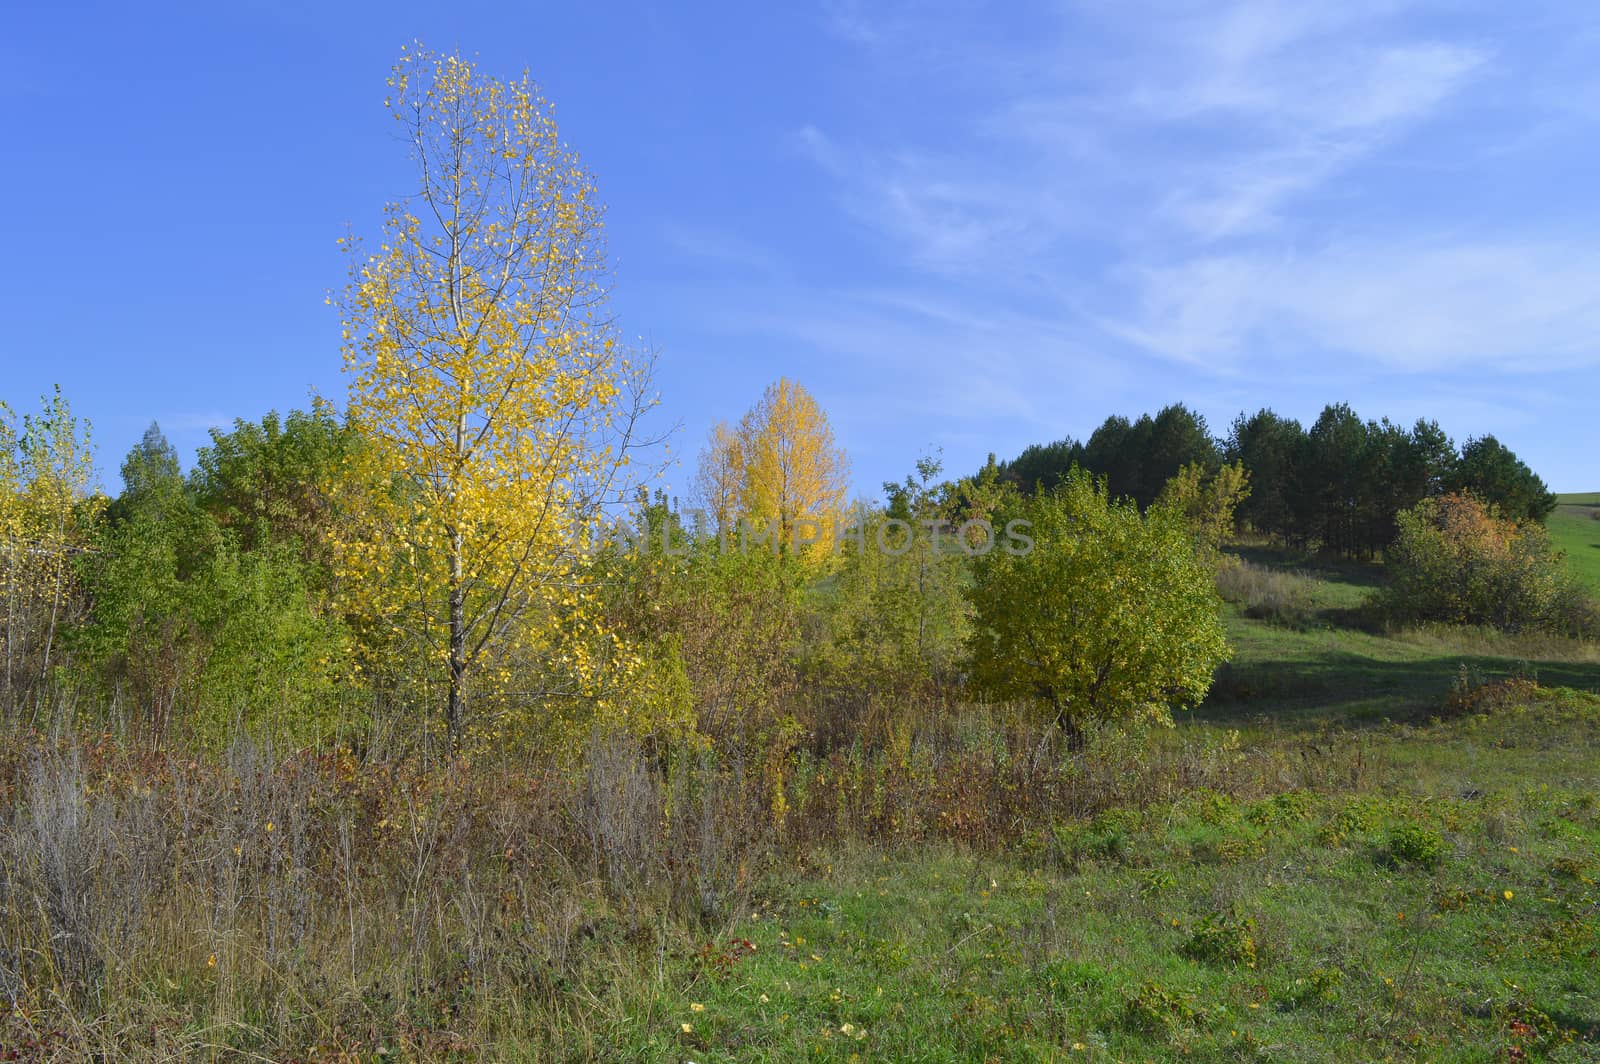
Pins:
x,y
1574,528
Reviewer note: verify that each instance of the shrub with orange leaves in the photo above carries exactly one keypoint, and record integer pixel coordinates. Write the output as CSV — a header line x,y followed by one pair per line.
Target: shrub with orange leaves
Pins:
x,y
1458,561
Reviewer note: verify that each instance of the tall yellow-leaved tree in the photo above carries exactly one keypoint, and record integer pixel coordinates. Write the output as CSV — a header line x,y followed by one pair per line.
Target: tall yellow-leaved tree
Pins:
x,y
719,481
47,515
780,470
485,367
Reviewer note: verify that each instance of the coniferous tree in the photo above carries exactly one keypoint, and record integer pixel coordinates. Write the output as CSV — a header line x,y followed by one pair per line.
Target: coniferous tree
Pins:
x,y
1489,470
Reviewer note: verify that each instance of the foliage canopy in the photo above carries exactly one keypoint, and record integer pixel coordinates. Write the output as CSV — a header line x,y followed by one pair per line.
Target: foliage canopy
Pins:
x,y
1110,616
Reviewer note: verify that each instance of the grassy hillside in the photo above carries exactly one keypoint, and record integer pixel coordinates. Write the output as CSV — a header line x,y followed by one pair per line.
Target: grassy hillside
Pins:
x,y
1436,899
1443,910
1574,529
1307,654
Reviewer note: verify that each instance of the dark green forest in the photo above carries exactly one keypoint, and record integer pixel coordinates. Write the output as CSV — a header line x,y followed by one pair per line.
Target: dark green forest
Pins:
x,y
1339,485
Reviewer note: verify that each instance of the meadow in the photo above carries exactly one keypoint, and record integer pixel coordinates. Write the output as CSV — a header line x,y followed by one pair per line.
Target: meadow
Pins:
x,y
1363,845
1575,529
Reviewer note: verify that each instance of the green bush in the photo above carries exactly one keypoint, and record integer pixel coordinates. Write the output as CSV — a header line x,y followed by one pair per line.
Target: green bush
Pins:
x,y
1456,560
1319,987
200,620
1111,834
1417,844
1071,980
1154,881
1109,617
1359,815
1155,1009
1223,939
1290,807
1208,807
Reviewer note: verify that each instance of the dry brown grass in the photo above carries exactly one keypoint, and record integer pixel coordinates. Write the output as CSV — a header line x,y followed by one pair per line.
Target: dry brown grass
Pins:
x,y
1267,594
313,904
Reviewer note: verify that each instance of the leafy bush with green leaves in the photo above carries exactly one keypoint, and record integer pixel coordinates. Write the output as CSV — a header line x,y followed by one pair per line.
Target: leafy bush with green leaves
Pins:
x,y
1417,844
1109,616
1206,503
1290,807
1318,987
1159,1010
1224,939
190,628
890,619
47,516
727,617
1458,561
269,481
1108,837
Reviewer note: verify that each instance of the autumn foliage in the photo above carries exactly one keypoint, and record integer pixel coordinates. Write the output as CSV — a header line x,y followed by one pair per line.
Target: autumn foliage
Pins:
x,y
1458,561
778,476
484,365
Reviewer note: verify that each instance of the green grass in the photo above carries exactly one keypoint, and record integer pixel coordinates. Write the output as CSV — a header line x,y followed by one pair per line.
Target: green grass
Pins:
x,y
1443,907
1422,886
1341,667
1449,914
1574,529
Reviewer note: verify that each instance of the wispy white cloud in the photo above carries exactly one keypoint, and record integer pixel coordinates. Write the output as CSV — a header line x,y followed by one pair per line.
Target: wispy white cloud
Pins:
x,y
1288,66
1218,192
1239,110
1303,116
946,212
1507,306
1060,211
817,146
847,20
941,364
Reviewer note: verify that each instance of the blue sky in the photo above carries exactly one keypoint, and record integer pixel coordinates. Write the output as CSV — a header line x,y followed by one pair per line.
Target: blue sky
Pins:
x,y
971,226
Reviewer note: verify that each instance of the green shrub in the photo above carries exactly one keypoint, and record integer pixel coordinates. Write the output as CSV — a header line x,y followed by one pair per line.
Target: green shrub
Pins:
x,y
1154,1009
1154,881
1417,844
1291,807
1205,502
1457,561
1208,806
1229,849
1110,616
1071,980
1222,939
199,634
1359,815
1111,832
1108,837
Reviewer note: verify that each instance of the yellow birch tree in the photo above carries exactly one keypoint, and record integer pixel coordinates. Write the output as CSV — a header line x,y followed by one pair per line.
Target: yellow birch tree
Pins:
x,y
794,474
46,514
720,477
485,366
